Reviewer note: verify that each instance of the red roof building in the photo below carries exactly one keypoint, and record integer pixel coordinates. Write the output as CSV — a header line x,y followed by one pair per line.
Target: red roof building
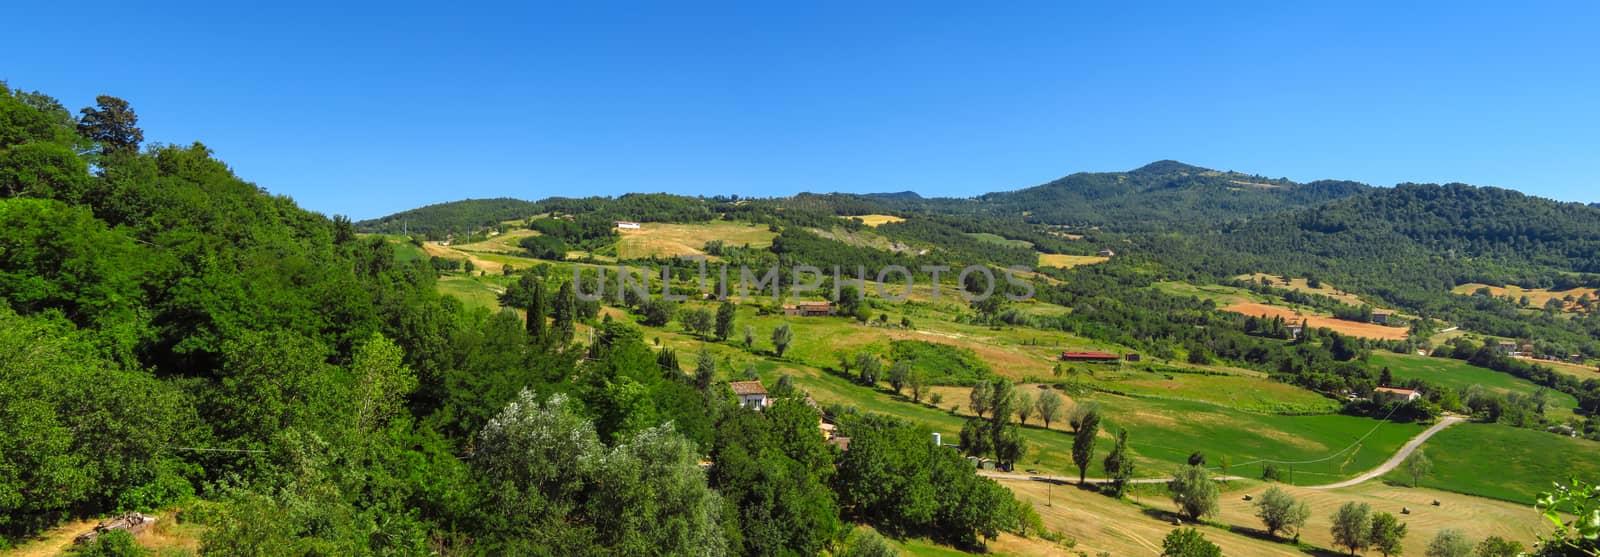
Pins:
x,y
1088,356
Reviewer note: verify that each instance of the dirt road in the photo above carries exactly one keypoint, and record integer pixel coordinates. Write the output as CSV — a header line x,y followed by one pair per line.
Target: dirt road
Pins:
x,y
1394,461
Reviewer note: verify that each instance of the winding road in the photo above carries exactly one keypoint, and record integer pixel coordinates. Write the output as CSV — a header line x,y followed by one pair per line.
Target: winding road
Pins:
x,y
1399,457
1387,466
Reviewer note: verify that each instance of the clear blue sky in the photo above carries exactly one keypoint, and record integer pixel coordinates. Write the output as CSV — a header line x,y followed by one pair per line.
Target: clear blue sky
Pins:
x,y
369,109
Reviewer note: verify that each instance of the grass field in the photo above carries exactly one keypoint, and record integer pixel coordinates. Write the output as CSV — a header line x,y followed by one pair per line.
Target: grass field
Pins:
x,y
472,292
1537,297
657,239
1504,462
1234,391
1456,374
1221,295
875,220
1001,240
1069,261
1303,285
502,243
1352,328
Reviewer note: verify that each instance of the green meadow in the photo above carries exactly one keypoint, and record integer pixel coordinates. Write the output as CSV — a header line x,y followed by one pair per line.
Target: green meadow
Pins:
x,y
1504,462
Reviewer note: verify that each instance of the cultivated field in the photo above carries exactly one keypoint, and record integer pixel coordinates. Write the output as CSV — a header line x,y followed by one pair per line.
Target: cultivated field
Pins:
x,y
875,220
669,239
1069,261
1351,328
1537,297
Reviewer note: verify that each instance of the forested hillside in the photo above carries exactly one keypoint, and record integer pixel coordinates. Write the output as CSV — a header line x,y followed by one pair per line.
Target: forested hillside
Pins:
x,y
1161,196
464,217
173,335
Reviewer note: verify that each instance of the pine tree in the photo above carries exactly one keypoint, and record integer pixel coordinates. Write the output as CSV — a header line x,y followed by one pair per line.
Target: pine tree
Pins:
x,y
536,314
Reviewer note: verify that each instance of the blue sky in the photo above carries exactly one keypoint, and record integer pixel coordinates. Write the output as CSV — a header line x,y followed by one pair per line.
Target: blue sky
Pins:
x,y
369,109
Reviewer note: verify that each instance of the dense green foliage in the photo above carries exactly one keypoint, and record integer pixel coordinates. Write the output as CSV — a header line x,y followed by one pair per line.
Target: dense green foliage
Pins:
x,y
170,332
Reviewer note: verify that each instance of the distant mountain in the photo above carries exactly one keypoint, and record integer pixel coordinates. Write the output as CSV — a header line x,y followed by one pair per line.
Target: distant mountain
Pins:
x,y
896,196
1164,195
455,216
1413,242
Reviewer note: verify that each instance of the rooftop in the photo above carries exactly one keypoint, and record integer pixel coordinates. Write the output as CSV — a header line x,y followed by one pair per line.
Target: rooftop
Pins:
x,y
747,388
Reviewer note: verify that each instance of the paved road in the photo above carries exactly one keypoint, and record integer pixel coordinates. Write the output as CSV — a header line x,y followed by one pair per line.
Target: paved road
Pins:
x,y
1391,464
1399,457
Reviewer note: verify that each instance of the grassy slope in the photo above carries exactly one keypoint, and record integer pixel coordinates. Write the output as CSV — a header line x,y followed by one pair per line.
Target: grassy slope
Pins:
x,y
1504,462
1457,374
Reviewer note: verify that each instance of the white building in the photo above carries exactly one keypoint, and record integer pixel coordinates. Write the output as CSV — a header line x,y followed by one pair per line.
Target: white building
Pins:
x,y
751,394
625,225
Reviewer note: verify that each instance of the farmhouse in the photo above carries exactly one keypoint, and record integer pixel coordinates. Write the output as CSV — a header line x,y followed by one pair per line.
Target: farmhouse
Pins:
x,y
808,309
1294,330
1380,317
752,394
1107,253
1507,347
1390,393
625,225
1088,357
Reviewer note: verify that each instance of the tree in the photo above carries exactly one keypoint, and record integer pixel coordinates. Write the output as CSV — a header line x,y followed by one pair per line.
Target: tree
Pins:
x,y
1083,443
781,337
1280,512
1418,465
975,438
749,336
1352,526
919,385
564,314
1024,408
698,321
1009,445
112,124
657,312
1193,492
1496,546
869,367
1119,465
982,393
1197,458
899,376
726,313
383,382
867,543
705,371
1386,534
1449,542
1049,407
536,313
1188,542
